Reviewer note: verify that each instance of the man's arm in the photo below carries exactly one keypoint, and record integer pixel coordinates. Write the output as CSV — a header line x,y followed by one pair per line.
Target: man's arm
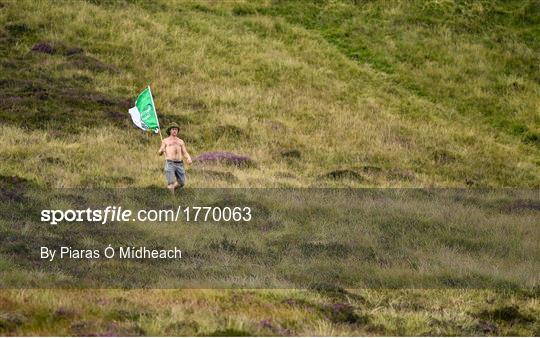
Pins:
x,y
185,153
162,148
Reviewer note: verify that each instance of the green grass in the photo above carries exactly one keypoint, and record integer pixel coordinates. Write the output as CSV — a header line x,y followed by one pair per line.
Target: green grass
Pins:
x,y
277,312
319,94
294,239
428,95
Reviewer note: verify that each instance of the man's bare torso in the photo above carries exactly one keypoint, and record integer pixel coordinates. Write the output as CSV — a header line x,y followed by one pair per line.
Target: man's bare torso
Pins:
x,y
173,148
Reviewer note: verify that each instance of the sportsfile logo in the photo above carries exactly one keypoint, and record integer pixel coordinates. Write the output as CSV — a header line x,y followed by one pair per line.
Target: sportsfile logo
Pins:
x,y
109,214
120,214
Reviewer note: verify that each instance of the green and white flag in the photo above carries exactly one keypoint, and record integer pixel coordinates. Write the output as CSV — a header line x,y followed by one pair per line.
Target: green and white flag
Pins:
x,y
144,113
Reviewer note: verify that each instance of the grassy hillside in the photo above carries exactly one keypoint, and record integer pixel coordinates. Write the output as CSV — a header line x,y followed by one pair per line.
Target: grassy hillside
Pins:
x,y
399,93
292,239
268,313
323,93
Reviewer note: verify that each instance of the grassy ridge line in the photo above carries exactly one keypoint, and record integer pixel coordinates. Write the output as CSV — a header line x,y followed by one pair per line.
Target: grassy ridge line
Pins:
x,y
263,313
258,85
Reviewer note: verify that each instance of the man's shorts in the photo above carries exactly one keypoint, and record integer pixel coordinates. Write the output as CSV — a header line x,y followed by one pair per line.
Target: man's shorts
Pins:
x,y
175,169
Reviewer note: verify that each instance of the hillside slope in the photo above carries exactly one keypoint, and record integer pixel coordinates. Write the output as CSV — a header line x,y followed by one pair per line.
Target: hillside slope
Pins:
x,y
318,94
324,93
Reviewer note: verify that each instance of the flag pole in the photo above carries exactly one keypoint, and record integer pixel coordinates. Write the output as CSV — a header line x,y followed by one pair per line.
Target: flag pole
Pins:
x,y
155,112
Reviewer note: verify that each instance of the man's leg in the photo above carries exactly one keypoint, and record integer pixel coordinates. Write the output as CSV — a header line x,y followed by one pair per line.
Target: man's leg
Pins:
x,y
180,175
169,174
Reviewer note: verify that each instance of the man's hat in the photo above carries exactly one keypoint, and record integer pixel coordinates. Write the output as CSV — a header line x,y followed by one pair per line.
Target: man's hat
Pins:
x,y
171,126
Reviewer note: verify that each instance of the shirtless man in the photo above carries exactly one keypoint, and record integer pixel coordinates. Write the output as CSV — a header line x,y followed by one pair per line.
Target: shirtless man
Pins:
x,y
175,151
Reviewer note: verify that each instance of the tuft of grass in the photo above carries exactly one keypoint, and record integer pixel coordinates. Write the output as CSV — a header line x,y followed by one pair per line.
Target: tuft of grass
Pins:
x,y
506,313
